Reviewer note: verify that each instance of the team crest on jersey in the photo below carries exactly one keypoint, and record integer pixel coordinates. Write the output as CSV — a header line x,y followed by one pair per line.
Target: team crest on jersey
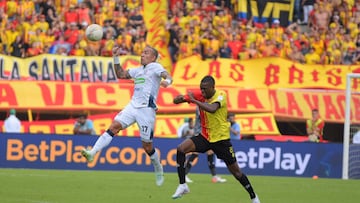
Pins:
x,y
220,98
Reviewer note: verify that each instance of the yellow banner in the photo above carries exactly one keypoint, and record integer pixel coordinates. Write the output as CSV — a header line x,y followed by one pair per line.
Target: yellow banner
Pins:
x,y
263,73
165,126
51,67
155,17
259,73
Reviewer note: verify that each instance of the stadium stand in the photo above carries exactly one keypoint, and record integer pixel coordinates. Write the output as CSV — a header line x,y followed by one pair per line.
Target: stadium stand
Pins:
x,y
30,28
208,28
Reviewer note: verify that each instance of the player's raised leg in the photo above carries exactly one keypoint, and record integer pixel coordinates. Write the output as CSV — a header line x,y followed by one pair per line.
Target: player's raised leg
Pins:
x,y
145,118
103,141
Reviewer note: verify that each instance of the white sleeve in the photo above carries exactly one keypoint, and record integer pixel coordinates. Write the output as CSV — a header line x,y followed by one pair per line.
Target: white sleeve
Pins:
x,y
159,69
133,71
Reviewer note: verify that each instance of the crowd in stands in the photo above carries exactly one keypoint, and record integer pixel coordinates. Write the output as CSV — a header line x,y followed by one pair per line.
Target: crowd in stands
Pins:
x,y
322,32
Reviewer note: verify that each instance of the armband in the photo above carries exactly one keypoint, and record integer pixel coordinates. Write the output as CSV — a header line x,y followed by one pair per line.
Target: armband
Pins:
x,y
168,81
116,60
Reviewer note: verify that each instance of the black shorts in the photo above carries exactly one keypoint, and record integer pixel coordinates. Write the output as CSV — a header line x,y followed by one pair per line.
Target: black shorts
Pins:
x,y
223,148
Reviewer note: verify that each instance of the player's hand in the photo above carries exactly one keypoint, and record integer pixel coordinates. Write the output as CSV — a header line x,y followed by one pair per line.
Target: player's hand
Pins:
x,y
164,83
116,51
178,99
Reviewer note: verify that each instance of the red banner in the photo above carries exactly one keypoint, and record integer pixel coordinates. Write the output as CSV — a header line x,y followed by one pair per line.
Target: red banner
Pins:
x,y
297,104
63,96
112,97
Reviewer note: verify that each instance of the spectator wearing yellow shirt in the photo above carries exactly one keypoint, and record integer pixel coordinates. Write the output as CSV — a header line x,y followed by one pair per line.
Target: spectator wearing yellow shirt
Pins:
x,y
126,39
4,18
228,16
120,20
276,31
49,38
107,44
220,19
11,9
29,7
318,44
110,7
182,20
205,44
101,16
334,43
204,25
193,17
38,38
327,58
42,24
214,46
185,48
312,57
336,53
347,43
250,36
261,37
132,4
353,28
77,50
10,35
193,36
139,45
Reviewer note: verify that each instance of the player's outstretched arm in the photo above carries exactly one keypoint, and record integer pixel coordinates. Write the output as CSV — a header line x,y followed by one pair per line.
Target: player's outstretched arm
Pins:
x,y
119,71
211,108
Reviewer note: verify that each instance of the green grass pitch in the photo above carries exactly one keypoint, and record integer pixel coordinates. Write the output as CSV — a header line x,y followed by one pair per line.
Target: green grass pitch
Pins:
x,y
68,186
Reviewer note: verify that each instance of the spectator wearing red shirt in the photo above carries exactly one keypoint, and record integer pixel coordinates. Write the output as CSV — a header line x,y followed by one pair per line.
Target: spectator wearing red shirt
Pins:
x,y
236,46
209,6
71,16
85,14
72,33
3,5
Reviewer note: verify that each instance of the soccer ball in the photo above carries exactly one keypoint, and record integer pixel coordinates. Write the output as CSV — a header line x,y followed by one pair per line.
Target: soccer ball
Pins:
x,y
94,32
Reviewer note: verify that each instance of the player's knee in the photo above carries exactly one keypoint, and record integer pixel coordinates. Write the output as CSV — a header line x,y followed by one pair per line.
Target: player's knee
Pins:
x,y
180,149
148,148
115,127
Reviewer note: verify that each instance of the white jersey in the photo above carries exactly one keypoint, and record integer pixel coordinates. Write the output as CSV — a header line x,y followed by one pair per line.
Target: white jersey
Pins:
x,y
12,124
146,84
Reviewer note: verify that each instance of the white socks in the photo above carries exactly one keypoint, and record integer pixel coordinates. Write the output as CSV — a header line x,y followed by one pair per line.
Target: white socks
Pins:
x,y
155,159
103,141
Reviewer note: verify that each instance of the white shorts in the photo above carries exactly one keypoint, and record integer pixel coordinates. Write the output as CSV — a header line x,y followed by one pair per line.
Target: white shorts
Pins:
x,y
144,117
